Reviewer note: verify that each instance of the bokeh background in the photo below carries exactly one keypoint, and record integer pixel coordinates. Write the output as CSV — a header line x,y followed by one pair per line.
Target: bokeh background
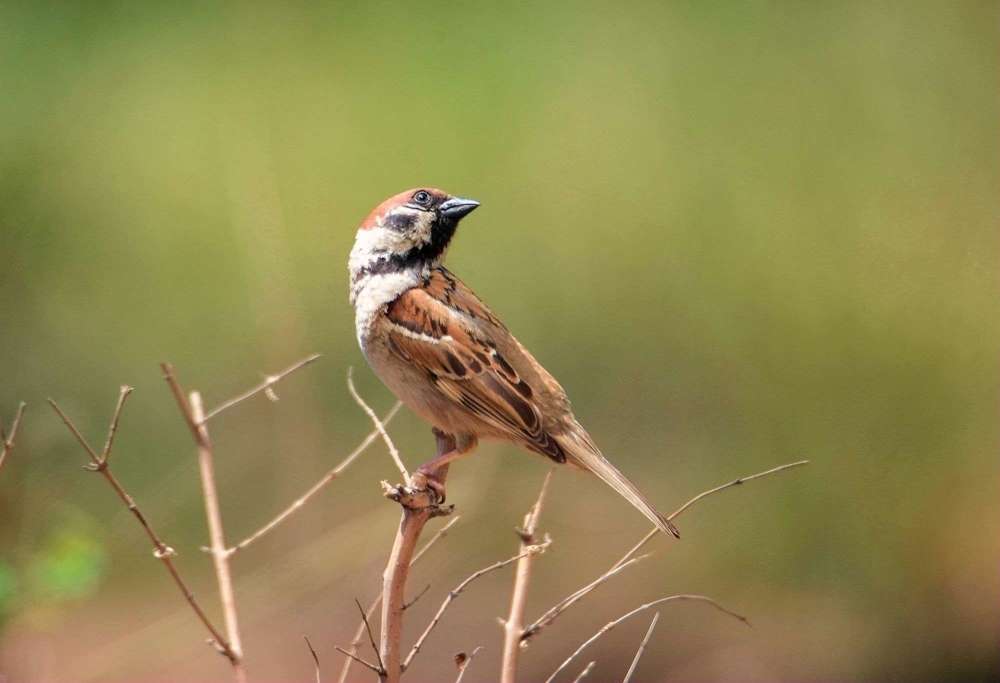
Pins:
x,y
740,234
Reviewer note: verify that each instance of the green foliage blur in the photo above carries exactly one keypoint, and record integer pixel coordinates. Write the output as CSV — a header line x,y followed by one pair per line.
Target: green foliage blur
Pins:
x,y
739,233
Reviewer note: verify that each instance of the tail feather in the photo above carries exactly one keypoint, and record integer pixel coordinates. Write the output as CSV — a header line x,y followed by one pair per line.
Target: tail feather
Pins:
x,y
583,452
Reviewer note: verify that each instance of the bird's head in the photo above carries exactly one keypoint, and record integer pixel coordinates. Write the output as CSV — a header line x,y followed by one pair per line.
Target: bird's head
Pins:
x,y
410,229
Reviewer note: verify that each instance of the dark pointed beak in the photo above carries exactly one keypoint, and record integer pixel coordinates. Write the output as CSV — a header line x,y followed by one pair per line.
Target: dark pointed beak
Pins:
x,y
457,208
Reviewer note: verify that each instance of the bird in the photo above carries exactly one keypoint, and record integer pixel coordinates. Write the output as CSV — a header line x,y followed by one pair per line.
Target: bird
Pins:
x,y
449,358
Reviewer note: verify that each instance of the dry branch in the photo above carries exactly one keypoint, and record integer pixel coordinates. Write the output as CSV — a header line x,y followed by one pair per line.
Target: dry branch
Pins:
x,y
393,451
318,486
193,414
642,647
7,440
463,660
161,550
315,657
370,612
266,386
455,592
419,506
587,669
611,624
519,595
629,558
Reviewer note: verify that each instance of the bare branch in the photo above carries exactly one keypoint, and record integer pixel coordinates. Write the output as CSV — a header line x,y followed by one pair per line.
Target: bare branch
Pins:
x,y
393,451
318,486
265,386
627,559
213,515
587,669
463,660
371,636
553,613
519,594
123,393
455,592
704,494
315,657
642,646
359,660
418,507
611,624
411,603
7,441
370,612
161,550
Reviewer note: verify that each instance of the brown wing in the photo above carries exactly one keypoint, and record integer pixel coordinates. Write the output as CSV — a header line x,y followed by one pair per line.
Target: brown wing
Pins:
x,y
445,329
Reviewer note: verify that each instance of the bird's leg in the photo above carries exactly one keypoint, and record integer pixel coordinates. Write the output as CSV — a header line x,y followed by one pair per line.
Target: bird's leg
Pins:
x,y
450,447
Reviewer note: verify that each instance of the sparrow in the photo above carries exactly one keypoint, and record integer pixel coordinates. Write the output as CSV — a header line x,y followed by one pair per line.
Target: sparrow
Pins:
x,y
448,357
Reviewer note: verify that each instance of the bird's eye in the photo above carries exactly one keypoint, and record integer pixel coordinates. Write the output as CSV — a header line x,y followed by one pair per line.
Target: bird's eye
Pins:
x,y
422,197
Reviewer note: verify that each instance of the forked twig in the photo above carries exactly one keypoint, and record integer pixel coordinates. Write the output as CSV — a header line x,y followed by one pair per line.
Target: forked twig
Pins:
x,y
642,647
455,592
393,451
161,550
359,660
265,386
7,440
519,595
627,559
370,612
611,624
318,486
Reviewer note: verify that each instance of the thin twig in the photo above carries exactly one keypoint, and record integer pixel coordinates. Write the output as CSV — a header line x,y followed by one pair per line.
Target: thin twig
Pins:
x,y
611,624
161,550
463,660
553,613
8,440
513,627
266,386
550,615
123,394
216,533
587,669
371,636
359,660
370,612
455,592
704,494
393,451
315,657
642,646
318,486
411,603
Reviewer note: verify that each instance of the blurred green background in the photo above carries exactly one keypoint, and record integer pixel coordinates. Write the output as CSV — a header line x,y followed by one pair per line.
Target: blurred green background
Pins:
x,y
739,233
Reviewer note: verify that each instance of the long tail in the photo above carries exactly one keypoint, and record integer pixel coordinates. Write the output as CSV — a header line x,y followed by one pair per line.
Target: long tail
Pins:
x,y
582,452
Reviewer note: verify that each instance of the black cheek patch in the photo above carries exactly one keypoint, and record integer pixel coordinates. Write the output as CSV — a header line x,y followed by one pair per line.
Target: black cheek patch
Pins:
x,y
400,222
